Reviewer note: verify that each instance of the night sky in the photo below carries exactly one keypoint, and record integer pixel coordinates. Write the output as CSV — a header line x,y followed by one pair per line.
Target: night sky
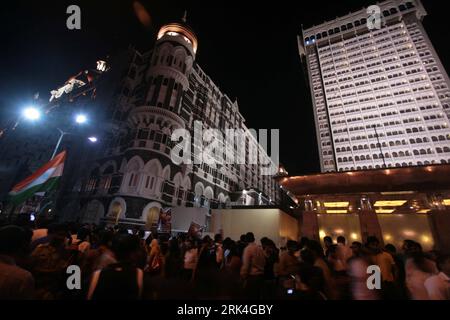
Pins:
x,y
248,48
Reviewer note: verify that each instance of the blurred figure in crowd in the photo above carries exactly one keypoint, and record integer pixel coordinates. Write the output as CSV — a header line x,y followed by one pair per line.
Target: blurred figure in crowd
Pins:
x,y
387,267
15,282
438,286
327,242
102,256
288,261
49,263
357,271
418,268
121,280
330,289
343,251
190,260
252,270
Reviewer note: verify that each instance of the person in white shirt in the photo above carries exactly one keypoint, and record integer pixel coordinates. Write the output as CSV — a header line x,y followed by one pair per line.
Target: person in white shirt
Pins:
x,y
343,251
418,268
357,270
438,286
190,260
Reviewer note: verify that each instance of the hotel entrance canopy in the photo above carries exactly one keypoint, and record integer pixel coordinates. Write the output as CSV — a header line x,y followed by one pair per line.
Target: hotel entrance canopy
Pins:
x,y
383,201
427,178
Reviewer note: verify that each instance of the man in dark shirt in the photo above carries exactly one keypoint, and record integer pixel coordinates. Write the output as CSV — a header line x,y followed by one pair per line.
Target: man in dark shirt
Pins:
x,y
15,283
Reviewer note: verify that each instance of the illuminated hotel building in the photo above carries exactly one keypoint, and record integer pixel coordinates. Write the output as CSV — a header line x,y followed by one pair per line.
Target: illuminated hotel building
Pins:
x,y
381,97
163,90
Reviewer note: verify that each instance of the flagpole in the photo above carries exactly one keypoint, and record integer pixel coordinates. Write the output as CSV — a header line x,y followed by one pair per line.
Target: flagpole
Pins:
x,y
61,136
56,194
11,212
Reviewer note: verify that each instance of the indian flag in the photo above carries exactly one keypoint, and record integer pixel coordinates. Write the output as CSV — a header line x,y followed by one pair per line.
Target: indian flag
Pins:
x,y
44,179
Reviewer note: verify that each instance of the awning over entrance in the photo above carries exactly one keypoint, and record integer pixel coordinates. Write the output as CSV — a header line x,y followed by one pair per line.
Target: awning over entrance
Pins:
x,y
434,177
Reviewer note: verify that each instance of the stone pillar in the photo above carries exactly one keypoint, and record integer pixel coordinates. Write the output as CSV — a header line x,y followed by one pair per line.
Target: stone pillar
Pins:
x,y
440,228
309,226
370,225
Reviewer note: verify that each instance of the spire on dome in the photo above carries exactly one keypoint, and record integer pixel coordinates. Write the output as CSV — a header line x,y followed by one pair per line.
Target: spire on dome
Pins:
x,y
184,16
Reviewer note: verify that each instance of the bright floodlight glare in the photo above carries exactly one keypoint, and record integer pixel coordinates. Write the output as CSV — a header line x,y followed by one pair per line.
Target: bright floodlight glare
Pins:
x,y
31,113
80,118
92,139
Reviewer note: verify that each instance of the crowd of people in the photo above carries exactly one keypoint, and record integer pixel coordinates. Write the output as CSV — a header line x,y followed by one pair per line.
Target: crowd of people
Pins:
x,y
118,263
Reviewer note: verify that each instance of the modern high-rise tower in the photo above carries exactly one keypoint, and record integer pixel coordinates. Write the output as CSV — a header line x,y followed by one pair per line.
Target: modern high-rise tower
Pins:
x,y
381,97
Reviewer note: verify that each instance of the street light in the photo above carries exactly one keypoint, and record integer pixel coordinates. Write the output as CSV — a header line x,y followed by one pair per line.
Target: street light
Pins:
x,y
31,113
80,118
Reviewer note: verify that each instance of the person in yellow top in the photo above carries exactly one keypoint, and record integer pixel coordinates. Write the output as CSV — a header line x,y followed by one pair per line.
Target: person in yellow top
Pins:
x,y
155,258
387,266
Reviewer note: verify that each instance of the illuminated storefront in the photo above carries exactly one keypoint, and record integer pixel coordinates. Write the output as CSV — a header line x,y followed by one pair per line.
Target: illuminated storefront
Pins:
x,y
391,204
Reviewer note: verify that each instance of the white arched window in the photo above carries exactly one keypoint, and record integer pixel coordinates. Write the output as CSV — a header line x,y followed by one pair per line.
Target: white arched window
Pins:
x,y
198,194
133,174
152,171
